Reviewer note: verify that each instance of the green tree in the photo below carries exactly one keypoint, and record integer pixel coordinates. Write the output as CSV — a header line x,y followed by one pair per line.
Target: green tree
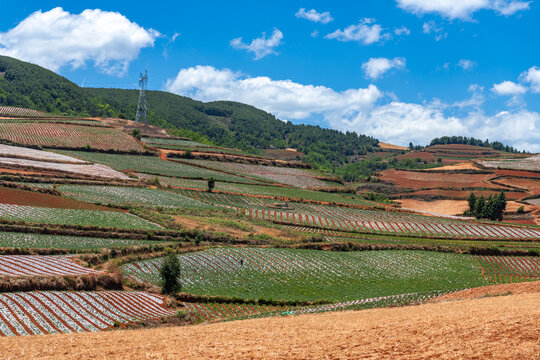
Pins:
x,y
211,184
472,202
170,275
479,207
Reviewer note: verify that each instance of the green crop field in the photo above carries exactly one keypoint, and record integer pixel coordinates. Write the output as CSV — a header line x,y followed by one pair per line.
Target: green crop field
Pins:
x,y
117,195
40,241
111,219
152,165
317,275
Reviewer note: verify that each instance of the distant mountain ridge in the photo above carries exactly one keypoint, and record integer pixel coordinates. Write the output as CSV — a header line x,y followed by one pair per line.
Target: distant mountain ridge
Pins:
x,y
226,123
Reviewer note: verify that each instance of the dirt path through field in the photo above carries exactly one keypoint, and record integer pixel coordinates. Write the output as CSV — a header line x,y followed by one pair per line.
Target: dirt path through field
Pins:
x,y
503,327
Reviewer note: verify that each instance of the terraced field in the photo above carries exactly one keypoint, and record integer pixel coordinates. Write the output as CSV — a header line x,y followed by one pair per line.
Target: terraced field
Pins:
x,y
508,269
288,274
290,176
155,166
74,217
43,241
68,135
117,195
32,265
52,312
531,164
266,190
20,112
351,219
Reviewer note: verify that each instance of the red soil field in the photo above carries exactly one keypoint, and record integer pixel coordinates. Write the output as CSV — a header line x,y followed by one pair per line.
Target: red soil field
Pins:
x,y
457,194
423,180
281,154
533,185
30,198
531,174
424,156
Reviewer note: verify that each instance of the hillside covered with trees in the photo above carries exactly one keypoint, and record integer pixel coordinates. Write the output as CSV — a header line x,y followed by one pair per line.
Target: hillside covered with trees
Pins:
x,y
223,123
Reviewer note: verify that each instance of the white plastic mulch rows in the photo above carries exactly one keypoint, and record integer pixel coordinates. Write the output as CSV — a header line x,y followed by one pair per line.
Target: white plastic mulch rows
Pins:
x,y
531,163
48,312
80,169
31,265
18,151
352,219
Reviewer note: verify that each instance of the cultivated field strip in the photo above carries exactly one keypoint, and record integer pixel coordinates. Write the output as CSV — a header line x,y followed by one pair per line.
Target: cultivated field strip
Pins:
x,y
43,241
507,269
21,112
215,311
14,151
226,311
49,312
36,265
532,163
118,195
290,176
260,272
44,215
67,135
80,169
352,219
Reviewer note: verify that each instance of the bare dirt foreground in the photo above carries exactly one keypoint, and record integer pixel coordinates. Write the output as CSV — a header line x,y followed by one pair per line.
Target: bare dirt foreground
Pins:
x,y
502,327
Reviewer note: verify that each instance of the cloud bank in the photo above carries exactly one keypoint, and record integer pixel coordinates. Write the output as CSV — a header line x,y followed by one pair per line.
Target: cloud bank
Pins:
x,y
56,38
363,110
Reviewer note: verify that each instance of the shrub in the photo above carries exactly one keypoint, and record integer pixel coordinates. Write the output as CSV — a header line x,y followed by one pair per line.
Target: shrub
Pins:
x,y
521,210
136,133
170,275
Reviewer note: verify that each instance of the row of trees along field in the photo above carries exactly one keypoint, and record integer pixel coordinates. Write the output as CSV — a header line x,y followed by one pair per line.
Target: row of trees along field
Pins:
x,y
491,208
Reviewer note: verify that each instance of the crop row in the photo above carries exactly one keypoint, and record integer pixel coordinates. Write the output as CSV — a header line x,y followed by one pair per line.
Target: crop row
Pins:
x,y
15,151
48,312
80,169
68,135
423,227
20,112
510,268
153,165
290,176
43,241
352,219
531,163
43,215
224,311
36,265
118,195
311,275
221,311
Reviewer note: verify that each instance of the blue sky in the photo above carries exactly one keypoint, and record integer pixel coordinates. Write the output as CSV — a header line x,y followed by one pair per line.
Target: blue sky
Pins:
x,y
399,70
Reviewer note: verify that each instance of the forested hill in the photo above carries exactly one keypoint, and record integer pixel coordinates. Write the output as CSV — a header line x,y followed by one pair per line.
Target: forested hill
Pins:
x,y
222,122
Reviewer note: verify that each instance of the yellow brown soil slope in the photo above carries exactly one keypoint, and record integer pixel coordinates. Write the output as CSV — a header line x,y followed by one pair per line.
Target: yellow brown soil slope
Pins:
x,y
503,327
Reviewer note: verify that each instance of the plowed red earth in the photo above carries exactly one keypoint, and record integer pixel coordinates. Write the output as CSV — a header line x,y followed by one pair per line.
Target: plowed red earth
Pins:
x,y
501,327
518,173
422,180
30,198
453,194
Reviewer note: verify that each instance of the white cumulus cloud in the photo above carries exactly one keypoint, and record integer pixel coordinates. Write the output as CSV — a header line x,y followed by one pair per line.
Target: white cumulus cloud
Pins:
x,y
402,31
56,38
462,9
313,15
366,31
261,46
532,76
376,67
508,88
285,98
430,27
363,110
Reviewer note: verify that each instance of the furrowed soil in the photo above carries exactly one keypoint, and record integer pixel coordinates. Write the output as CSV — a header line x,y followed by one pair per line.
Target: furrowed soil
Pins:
x,y
501,327
30,198
492,290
